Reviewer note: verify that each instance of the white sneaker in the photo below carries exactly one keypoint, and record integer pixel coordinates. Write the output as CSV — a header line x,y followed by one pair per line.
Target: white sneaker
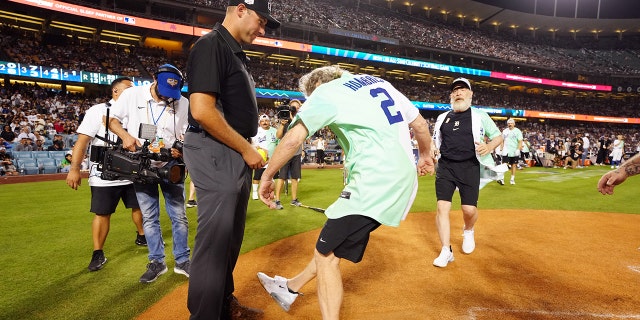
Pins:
x,y
277,288
468,243
255,196
444,258
513,182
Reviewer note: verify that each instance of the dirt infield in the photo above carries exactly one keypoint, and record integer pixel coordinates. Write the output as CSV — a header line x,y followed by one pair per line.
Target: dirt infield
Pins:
x,y
527,265
37,178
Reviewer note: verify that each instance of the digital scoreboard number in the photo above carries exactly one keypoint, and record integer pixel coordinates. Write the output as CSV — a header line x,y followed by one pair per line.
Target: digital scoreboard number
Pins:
x,y
34,71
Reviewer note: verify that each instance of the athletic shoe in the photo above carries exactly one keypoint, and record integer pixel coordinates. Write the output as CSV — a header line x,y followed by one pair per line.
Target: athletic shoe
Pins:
x,y
295,202
97,260
141,240
255,196
512,182
191,204
279,205
500,181
446,256
183,268
468,242
154,270
232,309
277,288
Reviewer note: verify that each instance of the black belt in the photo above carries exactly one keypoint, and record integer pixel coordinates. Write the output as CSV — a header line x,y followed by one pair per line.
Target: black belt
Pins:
x,y
193,129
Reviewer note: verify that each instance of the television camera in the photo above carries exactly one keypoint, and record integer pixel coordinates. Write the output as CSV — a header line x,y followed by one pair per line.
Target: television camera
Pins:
x,y
285,111
117,163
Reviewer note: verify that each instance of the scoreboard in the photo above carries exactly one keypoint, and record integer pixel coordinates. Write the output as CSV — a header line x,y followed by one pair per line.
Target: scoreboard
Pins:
x,y
35,71
60,74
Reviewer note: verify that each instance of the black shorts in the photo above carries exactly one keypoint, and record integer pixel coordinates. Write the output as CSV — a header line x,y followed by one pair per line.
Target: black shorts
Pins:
x,y
257,173
465,175
512,160
346,237
104,200
292,169
319,156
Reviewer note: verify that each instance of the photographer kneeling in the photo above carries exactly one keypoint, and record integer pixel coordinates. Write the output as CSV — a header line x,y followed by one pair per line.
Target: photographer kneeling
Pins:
x,y
157,112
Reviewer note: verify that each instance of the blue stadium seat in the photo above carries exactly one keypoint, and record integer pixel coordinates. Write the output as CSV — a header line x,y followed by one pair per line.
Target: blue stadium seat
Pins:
x,y
47,165
28,166
57,154
40,154
22,154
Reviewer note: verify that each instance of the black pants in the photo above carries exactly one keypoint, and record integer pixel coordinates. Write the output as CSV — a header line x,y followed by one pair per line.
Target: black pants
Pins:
x,y
223,183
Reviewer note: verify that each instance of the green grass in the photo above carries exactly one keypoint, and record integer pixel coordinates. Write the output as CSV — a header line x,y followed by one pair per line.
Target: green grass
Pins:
x,y
45,237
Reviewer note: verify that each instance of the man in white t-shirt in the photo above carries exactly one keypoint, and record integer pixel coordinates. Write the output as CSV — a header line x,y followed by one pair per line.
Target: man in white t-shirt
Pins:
x,y
105,194
160,110
266,141
586,144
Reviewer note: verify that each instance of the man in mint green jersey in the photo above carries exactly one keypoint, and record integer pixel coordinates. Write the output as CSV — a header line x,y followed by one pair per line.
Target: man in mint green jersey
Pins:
x,y
512,147
369,117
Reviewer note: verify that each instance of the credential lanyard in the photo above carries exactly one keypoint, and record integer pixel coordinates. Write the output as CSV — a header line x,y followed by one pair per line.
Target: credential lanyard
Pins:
x,y
156,120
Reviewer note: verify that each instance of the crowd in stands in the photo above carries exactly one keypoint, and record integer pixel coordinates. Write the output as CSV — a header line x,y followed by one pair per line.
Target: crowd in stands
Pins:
x,y
41,119
46,116
573,56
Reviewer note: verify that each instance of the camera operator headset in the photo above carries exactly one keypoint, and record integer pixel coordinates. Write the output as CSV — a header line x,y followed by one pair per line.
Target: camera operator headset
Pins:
x,y
156,114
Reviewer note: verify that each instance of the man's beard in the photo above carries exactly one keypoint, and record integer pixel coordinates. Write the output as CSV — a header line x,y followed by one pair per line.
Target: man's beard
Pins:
x,y
460,106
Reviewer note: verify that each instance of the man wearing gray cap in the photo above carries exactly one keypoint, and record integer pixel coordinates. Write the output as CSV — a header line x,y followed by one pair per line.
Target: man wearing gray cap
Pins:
x,y
222,119
459,136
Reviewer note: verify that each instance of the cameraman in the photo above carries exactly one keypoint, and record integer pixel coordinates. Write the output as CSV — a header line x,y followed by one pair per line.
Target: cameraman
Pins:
x,y
105,194
293,168
158,104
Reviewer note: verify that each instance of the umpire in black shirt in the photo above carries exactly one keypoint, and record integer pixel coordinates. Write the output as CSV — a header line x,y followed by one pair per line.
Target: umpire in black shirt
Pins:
x,y
223,116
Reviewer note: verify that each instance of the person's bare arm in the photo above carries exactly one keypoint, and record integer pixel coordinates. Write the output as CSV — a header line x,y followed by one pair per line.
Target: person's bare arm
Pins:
x,y
202,106
74,179
285,150
423,137
609,180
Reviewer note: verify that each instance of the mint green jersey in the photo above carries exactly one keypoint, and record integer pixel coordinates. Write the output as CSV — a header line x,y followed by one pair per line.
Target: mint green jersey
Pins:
x,y
370,120
512,139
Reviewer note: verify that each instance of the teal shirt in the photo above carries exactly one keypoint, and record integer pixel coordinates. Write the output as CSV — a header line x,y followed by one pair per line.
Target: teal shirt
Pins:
x,y
511,141
370,120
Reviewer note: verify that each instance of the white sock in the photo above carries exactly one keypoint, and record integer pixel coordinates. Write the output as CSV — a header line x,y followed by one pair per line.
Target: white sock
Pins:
x,y
255,187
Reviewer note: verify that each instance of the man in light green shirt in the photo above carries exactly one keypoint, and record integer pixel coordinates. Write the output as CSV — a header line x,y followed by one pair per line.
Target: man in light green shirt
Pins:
x,y
371,121
511,147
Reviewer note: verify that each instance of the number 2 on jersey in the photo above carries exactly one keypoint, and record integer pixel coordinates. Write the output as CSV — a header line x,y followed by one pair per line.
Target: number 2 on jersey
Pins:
x,y
386,104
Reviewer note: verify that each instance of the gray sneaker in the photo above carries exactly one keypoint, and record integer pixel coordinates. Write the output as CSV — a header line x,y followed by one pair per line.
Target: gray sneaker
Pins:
x,y
183,268
279,205
154,270
295,202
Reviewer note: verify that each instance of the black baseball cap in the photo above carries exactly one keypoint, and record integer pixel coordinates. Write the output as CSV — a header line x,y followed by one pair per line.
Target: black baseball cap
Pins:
x,y
262,7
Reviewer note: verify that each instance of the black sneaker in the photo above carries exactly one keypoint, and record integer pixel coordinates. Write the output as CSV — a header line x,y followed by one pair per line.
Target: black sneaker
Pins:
x,y
191,204
97,260
183,268
154,270
141,240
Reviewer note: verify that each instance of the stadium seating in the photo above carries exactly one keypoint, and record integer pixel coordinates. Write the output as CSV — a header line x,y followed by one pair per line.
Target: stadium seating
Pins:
x,y
58,155
28,166
47,165
40,154
22,155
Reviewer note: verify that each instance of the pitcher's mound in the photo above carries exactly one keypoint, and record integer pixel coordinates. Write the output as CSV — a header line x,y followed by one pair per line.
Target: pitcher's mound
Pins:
x,y
527,265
